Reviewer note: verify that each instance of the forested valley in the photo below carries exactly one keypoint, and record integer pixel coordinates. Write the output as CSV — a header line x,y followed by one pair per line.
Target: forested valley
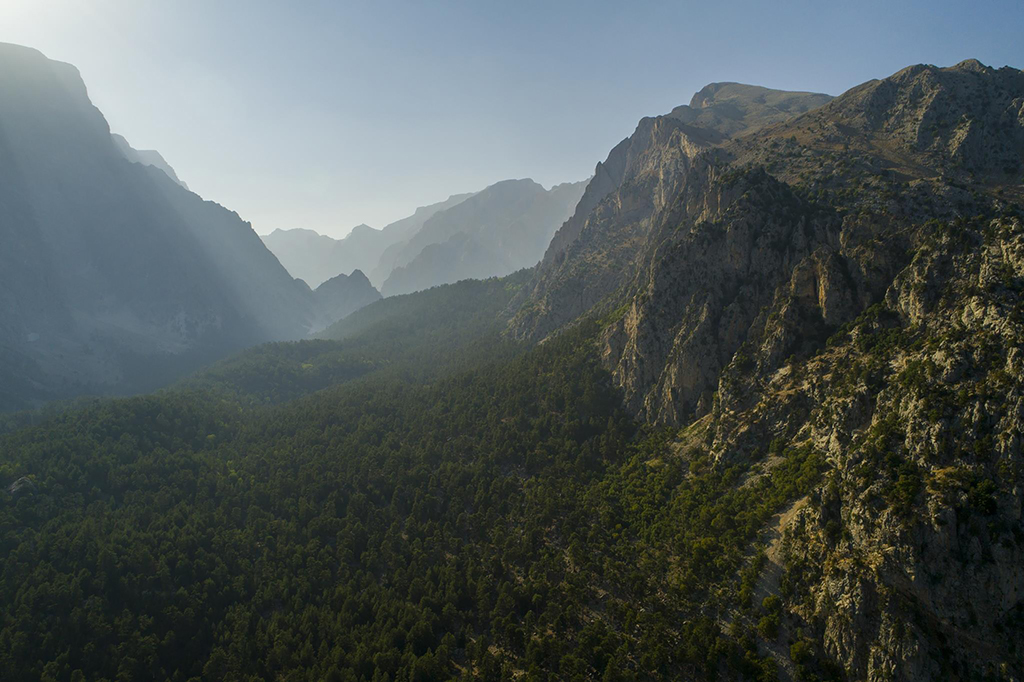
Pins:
x,y
493,517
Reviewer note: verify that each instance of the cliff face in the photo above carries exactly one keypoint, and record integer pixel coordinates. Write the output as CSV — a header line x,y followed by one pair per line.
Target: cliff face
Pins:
x,y
712,228
594,253
905,562
816,282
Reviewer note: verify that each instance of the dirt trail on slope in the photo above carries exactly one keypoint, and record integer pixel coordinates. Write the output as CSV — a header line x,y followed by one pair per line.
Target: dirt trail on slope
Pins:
x,y
768,584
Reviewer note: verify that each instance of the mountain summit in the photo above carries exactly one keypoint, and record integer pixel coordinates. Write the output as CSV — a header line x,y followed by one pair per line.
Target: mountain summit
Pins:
x,y
589,255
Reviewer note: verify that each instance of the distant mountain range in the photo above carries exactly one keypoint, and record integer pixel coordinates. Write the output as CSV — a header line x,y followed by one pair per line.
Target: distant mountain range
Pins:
x,y
113,276
499,230
496,231
316,258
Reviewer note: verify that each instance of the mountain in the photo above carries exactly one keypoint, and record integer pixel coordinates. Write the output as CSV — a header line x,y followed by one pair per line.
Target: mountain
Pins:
x,y
499,230
316,258
822,282
757,415
634,186
342,295
147,157
306,254
114,277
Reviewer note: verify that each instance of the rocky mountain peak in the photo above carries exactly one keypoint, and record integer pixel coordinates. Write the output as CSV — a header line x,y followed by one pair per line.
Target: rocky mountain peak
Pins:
x,y
972,65
638,181
816,280
927,121
342,295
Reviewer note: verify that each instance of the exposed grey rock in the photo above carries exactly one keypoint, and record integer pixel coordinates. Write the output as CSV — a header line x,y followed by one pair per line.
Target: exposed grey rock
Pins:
x,y
634,189
22,486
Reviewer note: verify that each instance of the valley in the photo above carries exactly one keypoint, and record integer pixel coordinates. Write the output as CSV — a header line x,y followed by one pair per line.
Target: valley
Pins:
x,y
746,404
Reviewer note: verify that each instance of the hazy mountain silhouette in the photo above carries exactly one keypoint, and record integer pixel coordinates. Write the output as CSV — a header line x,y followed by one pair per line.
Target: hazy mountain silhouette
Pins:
x,y
499,230
316,258
113,277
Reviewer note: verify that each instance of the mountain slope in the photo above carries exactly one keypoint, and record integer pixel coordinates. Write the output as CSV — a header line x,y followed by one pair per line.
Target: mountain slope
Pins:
x,y
502,228
306,254
847,186
342,295
113,276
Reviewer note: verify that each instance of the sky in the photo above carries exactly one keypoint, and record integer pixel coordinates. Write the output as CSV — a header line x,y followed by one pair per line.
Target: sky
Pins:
x,y
327,114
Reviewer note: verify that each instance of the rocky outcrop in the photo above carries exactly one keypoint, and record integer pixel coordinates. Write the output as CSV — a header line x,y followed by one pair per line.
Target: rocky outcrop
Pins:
x,y
964,119
906,562
706,284
22,486
760,221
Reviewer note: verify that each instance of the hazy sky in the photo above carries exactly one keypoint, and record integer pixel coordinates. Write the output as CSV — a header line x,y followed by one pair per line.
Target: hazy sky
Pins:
x,y
329,114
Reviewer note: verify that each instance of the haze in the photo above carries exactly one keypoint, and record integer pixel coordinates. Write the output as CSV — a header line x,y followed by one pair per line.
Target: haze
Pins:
x,y
350,113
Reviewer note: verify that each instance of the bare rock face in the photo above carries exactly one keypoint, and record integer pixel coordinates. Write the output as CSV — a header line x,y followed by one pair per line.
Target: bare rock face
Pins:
x,y
918,574
706,284
906,562
966,118
705,234
22,486
634,190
